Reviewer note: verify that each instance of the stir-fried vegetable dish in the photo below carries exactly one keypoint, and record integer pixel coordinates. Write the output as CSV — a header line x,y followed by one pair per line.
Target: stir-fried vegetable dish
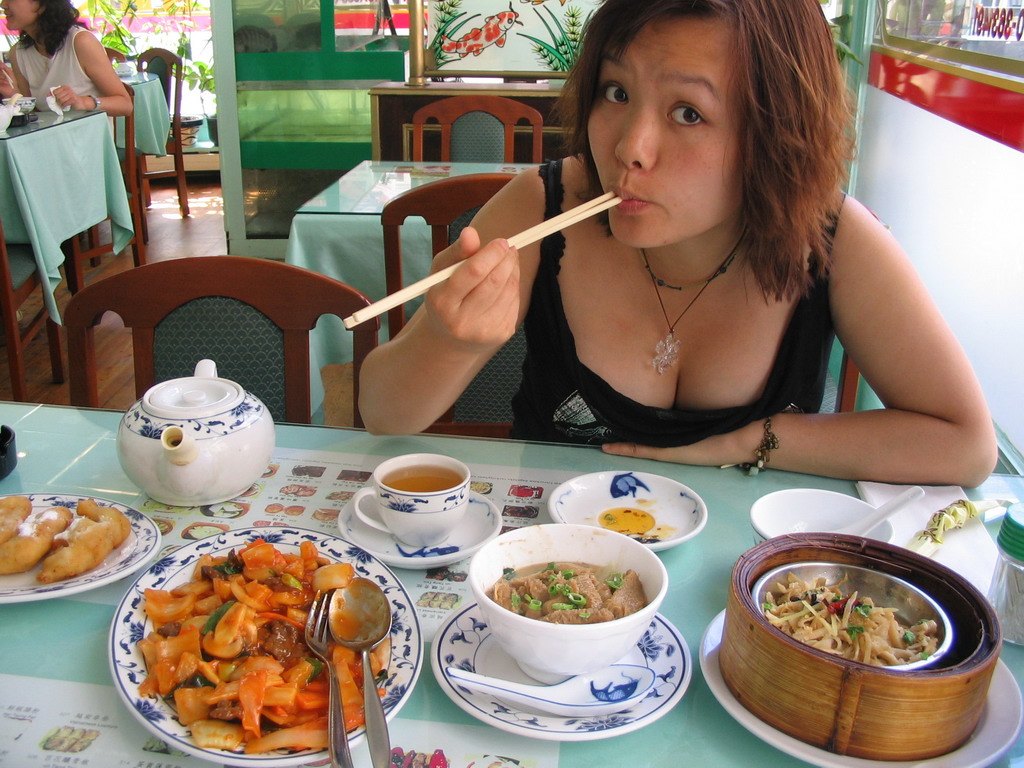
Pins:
x,y
228,651
818,614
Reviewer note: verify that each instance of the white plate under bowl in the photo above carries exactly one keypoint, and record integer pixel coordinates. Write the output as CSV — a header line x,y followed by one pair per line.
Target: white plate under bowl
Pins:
x,y
134,552
997,730
465,641
131,624
481,524
679,512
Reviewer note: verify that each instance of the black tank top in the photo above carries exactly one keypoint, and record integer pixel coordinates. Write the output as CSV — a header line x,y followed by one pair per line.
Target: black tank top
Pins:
x,y
561,400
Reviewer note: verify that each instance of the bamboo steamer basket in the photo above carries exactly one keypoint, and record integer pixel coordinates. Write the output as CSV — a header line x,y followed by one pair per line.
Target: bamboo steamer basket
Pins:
x,y
844,706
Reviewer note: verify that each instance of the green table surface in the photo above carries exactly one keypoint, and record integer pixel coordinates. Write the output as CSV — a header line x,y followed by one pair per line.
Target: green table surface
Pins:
x,y
58,646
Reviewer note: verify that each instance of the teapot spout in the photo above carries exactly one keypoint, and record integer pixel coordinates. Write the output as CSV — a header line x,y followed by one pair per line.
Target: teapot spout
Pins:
x,y
179,448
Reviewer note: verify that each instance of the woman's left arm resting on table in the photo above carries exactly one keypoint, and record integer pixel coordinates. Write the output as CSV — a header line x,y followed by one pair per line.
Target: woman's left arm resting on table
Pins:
x,y
935,428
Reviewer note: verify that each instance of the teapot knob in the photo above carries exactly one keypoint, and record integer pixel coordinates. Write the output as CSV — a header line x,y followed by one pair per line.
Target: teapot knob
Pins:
x,y
206,369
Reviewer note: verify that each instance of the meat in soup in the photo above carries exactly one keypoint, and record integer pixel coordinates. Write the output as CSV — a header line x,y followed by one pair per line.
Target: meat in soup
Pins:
x,y
569,593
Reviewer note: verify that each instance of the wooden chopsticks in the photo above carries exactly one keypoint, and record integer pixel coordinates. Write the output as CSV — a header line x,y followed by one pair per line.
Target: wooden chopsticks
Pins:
x,y
531,235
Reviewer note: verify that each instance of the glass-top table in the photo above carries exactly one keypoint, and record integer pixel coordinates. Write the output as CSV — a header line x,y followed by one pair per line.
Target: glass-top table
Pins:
x,y
371,184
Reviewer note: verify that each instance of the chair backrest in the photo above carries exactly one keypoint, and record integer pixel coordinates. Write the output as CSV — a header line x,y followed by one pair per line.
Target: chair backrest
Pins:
x,y
448,205
485,130
169,68
251,316
115,56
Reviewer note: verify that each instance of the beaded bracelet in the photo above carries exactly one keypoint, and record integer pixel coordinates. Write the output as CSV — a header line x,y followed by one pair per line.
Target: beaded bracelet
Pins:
x,y
769,443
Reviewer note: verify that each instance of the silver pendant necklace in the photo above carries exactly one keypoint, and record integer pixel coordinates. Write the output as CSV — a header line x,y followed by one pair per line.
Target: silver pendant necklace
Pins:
x,y
666,351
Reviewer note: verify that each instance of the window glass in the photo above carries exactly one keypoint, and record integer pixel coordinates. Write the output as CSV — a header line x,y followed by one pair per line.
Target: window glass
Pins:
x,y
983,34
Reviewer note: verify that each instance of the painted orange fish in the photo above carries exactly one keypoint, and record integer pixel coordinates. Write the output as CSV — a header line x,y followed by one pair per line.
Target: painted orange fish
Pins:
x,y
493,32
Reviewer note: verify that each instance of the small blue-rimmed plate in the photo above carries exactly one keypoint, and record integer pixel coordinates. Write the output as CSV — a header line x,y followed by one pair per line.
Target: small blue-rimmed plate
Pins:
x,y
131,624
657,511
481,524
134,552
465,642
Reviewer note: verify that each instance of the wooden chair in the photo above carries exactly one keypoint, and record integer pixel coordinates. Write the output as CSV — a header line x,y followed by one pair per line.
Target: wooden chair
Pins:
x,y
86,249
251,316
448,205
170,69
485,130
19,279
115,56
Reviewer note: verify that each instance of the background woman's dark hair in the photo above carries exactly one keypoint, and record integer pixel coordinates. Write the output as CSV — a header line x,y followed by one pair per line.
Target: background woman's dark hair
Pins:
x,y
794,119
56,17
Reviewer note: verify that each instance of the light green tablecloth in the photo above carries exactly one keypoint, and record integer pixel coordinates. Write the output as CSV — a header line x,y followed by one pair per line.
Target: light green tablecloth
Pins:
x,y
152,118
350,248
58,177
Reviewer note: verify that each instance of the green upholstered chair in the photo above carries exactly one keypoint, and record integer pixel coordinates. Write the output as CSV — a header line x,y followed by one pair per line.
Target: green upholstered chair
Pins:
x,y
477,128
250,316
448,205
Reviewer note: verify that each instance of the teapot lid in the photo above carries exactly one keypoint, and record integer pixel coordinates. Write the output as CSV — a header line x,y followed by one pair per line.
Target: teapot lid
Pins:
x,y
192,397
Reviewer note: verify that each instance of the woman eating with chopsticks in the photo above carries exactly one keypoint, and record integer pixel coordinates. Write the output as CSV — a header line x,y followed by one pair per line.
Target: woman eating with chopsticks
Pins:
x,y
692,322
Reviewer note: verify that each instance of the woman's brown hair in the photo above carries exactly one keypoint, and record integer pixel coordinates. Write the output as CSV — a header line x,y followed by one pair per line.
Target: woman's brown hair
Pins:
x,y
794,118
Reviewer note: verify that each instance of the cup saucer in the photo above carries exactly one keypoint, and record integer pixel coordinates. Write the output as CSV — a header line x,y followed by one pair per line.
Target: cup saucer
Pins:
x,y
481,524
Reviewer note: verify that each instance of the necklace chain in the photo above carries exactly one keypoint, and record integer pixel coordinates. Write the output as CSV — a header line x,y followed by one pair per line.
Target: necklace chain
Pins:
x,y
666,351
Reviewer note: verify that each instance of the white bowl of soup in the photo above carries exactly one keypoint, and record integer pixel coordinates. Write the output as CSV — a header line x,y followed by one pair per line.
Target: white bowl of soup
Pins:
x,y
565,599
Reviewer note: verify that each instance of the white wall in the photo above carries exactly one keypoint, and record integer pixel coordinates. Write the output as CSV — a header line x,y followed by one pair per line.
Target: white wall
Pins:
x,y
955,201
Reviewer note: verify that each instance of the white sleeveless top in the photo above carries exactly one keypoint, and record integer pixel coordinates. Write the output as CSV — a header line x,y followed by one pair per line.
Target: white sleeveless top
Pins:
x,y
63,69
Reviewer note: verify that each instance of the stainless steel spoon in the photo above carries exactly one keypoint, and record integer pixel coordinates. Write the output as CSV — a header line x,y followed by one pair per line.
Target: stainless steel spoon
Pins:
x,y
360,618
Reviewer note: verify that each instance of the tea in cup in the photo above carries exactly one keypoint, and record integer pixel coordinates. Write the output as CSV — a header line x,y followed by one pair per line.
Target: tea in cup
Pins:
x,y
420,498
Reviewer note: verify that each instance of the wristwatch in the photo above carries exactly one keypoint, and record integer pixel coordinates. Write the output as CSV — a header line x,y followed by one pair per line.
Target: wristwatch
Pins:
x,y
99,104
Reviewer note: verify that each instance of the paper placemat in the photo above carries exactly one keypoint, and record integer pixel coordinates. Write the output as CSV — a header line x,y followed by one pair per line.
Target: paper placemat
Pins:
x,y
970,551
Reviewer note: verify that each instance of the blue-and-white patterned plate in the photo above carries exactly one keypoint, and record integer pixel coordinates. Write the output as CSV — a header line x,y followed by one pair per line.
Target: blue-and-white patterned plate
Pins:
x,y
134,552
678,511
465,642
481,524
130,624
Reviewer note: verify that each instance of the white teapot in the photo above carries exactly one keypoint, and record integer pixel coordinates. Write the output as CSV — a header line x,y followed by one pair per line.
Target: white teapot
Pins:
x,y
196,440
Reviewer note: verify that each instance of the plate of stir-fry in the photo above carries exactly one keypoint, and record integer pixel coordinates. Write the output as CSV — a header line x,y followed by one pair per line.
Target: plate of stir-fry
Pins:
x,y
208,651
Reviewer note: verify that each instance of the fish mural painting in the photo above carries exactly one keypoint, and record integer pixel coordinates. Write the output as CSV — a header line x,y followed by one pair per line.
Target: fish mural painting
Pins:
x,y
493,32
521,37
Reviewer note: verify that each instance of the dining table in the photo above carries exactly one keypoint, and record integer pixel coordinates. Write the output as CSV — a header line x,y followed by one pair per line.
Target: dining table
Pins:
x,y
60,175
58,702
337,233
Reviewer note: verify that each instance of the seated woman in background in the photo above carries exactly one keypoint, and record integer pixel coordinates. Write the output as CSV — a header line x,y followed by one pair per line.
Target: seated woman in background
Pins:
x,y
693,322
55,51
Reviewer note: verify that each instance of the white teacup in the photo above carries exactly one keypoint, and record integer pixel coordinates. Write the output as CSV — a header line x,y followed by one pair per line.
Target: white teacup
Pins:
x,y
420,498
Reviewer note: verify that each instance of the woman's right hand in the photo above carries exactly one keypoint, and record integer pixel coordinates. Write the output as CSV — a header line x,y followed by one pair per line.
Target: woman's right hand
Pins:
x,y
478,306
7,81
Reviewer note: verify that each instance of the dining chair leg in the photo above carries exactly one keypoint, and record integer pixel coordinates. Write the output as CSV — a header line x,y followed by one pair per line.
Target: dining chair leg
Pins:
x,y
179,173
56,353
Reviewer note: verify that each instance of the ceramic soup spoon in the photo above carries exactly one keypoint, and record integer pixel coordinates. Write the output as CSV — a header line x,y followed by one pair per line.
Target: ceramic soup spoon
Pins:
x,y
612,689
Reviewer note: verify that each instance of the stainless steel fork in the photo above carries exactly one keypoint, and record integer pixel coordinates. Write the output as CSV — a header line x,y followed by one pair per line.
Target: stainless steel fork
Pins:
x,y
318,632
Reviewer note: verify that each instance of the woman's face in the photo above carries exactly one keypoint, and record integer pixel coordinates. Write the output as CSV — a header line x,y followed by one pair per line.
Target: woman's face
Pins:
x,y
21,14
664,134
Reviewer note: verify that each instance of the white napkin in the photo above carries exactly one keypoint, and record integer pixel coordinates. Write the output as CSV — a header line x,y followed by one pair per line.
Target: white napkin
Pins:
x,y
970,551
51,102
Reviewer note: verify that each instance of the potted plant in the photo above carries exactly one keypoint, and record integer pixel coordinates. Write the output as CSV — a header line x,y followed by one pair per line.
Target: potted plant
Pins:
x,y
200,77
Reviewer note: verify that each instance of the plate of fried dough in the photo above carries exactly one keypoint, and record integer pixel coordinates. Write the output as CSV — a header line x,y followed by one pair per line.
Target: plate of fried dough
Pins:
x,y
54,545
